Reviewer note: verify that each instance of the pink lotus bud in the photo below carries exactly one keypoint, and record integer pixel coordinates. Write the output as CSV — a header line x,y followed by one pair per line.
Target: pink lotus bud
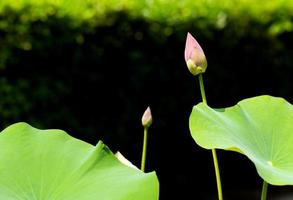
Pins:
x,y
194,56
147,119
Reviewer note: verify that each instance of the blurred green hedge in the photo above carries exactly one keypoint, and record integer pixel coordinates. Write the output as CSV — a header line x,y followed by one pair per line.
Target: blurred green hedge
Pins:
x,y
92,67
81,44
55,55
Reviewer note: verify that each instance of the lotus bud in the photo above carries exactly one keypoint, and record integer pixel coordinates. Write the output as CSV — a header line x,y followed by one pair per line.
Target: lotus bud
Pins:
x,y
194,56
124,161
147,119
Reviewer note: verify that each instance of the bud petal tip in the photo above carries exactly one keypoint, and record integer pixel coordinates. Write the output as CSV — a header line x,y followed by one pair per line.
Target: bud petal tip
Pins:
x,y
124,161
194,56
147,119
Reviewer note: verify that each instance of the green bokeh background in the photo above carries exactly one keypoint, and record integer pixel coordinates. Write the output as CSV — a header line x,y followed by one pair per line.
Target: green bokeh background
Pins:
x,y
92,67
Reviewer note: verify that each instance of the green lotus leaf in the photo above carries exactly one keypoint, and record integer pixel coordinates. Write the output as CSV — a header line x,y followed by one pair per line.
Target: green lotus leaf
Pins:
x,y
51,165
260,128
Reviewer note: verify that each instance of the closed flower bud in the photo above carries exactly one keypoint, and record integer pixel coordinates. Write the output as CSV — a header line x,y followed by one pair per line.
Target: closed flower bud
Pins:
x,y
194,56
124,161
147,119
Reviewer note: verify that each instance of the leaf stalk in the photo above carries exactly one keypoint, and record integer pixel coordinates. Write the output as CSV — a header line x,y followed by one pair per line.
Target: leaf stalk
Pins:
x,y
264,190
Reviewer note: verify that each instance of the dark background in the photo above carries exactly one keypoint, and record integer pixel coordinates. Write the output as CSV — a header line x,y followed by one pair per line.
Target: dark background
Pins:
x,y
94,80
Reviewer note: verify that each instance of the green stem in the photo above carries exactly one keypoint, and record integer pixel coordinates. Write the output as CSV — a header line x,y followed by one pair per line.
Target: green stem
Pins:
x,y
218,176
202,91
144,149
215,159
264,190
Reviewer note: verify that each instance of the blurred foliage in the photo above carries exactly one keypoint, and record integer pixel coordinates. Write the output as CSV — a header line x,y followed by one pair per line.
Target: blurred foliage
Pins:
x,y
218,13
92,67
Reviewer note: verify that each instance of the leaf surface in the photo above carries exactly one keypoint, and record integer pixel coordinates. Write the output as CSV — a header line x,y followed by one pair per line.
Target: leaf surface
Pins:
x,y
260,128
51,165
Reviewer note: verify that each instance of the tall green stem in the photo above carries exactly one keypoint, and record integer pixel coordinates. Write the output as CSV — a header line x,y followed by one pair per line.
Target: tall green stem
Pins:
x,y
215,159
144,148
218,176
264,190
202,91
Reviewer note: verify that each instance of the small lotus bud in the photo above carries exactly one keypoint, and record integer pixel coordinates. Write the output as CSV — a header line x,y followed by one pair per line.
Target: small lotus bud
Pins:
x,y
194,56
147,119
124,161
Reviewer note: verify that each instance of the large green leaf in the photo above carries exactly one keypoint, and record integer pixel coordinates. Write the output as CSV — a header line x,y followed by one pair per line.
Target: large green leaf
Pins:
x,y
259,127
51,165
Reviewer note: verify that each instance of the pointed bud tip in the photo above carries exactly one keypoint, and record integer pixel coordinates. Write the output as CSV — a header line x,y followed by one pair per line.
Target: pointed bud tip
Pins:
x,y
147,119
194,56
124,161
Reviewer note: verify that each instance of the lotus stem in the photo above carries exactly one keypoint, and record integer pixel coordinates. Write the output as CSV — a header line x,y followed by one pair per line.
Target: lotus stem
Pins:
x,y
144,149
218,175
214,153
202,91
264,190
